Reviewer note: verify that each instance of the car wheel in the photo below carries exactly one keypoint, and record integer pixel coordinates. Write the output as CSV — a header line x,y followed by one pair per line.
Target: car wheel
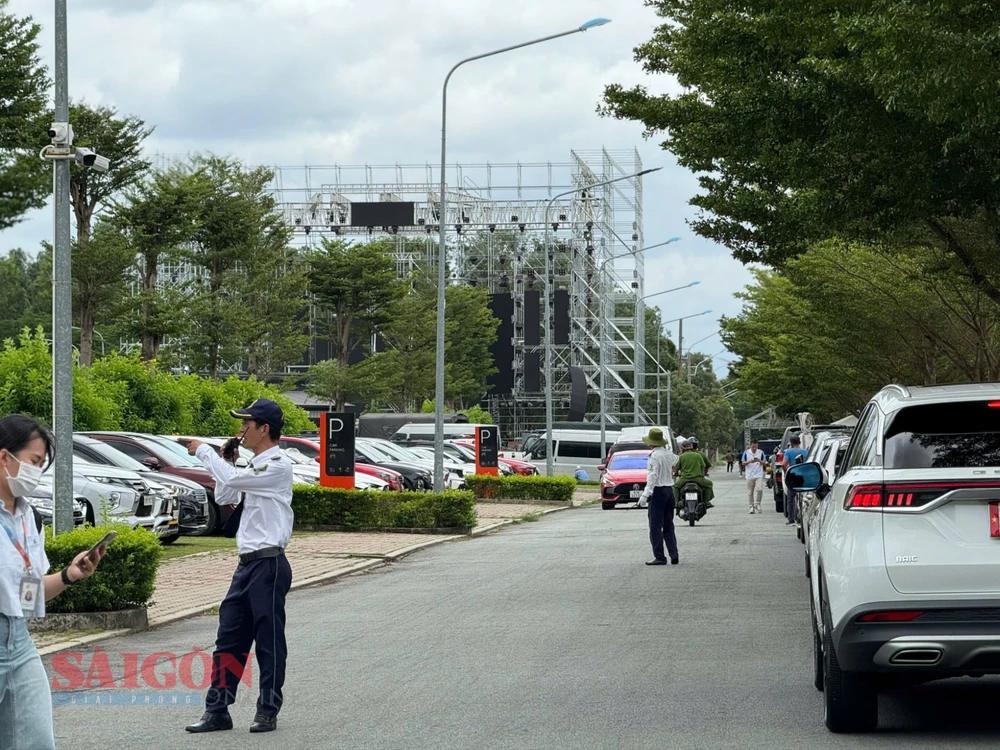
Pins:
x,y
779,505
169,539
211,522
798,533
850,701
607,506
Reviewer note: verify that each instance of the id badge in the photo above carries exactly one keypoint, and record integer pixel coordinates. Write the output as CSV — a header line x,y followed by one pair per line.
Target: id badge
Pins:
x,y
31,596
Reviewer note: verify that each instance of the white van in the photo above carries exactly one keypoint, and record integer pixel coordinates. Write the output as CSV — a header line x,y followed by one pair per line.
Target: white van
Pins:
x,y
572,448
636,434
425,431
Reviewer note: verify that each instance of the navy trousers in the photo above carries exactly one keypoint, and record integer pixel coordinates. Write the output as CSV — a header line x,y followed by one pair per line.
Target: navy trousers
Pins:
x,y
661,522
252,614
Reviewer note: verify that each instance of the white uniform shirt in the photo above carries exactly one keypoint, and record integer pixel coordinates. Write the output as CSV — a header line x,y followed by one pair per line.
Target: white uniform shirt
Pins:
x,y
22,523
753,471
267,507
661,461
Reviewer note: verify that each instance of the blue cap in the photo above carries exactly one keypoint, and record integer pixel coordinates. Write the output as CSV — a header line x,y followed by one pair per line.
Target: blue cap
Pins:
x,y
262,410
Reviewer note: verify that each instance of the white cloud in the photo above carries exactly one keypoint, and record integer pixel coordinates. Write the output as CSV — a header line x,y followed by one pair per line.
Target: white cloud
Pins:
x,y
359,81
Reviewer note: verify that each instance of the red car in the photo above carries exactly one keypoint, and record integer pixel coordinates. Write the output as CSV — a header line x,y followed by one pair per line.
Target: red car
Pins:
x,y
310,449
519,467
624,478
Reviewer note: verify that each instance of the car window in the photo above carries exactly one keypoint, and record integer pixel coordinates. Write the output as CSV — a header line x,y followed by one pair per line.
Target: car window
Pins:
x,y
179,450
944,436
111,454
570,449
131,449
306,450
861,451
622,463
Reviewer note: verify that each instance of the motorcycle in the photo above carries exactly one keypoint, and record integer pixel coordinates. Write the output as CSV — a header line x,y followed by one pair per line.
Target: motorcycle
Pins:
x,y
691,505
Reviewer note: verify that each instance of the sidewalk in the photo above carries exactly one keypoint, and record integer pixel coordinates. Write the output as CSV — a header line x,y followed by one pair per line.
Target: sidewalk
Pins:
x,y
194,584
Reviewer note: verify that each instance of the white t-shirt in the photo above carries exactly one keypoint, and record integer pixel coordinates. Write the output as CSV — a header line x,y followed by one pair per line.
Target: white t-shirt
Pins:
x,y
22,524
753,471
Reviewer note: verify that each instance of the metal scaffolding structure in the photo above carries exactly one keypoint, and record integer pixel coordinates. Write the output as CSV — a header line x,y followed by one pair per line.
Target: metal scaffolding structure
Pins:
x,y
496,235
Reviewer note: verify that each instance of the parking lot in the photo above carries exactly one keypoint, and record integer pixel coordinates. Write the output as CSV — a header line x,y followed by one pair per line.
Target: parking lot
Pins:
x,y
551,635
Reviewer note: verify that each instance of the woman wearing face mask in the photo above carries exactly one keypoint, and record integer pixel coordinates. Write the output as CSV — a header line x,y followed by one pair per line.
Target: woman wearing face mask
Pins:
x,y
26,448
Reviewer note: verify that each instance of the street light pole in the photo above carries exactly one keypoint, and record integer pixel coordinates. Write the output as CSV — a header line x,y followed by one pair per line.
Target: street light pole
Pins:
x,y
602,330
443,256
548,315
62,298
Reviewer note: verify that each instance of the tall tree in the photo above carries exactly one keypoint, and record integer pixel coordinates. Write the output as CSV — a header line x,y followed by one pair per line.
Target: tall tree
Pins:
x,y
358,284
26,289
867,120
159,217
101,266
25,180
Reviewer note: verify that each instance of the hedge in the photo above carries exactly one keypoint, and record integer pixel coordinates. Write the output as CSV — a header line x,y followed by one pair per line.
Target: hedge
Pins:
x,y
123,580
517,487
326,506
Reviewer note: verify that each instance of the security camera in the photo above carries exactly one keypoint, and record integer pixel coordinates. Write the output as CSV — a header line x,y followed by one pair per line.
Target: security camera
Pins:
x,y
86,157
61,133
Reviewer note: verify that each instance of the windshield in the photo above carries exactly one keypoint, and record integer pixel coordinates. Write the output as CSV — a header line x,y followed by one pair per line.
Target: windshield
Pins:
x,y
944,436
464,454
116,457
178,450
622,463
296,457
398,452
371,454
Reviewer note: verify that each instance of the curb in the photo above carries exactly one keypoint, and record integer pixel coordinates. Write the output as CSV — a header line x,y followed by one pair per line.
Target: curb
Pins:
x,y
307,583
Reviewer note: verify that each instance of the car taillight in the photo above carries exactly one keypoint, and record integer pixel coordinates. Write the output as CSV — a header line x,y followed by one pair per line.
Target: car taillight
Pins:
x,y
864,497
894,615
905,495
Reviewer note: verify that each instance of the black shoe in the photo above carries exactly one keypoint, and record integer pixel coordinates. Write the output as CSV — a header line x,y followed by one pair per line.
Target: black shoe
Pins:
x,y
211,722
656,562
675,561
262,723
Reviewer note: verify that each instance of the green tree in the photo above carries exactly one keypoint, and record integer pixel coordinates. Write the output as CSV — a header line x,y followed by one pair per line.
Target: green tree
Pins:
x,y
374,380
470,331
870,121
358,285
159,217
26,288
25,180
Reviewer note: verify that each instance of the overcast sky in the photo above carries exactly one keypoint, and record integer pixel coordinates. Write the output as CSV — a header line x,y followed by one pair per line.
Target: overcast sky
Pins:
x,y
292,82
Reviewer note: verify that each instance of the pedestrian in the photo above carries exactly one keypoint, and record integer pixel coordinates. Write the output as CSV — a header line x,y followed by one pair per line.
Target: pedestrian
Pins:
x,y
581,475
752,461
730,459
660,496
26,448
253,611
794,454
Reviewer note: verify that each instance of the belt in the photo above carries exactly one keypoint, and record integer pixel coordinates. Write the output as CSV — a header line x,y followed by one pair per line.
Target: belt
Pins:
x,y
260,554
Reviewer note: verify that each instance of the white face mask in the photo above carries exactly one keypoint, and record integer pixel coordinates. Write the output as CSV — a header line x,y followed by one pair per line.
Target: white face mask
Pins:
x,y
27,479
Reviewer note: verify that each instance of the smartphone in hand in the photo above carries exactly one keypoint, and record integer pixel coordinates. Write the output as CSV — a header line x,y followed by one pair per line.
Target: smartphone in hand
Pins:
x,y
103,544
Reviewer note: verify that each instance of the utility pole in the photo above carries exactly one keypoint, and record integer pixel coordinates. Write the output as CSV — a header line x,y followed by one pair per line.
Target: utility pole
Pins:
x,y
62,293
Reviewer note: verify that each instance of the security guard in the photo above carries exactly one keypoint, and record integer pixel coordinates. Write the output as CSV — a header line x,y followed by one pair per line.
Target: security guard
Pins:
x,y
253,611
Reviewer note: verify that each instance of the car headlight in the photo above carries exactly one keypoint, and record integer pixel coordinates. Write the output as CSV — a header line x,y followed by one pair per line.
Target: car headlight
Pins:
x,y
102,480
113,499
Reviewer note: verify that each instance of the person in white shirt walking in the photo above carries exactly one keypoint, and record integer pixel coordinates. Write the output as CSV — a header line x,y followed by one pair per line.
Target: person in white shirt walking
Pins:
x,y
753,462
659,493
253,612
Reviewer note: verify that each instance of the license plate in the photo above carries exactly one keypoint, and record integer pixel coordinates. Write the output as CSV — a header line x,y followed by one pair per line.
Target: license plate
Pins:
x,y
635,494
172,522
691,496
995,519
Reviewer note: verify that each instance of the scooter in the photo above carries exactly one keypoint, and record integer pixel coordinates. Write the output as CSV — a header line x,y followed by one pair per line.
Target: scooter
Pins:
x,y
691,505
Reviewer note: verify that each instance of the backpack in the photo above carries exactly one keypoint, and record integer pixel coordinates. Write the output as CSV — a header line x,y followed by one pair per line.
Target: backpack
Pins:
x,y
38,519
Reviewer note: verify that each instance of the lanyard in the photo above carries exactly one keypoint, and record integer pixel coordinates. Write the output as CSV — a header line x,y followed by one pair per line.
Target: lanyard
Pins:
x,y
17,544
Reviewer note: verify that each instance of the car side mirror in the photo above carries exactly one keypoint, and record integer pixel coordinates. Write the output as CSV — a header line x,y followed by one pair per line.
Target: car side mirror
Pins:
x,y
602,467
804,477
152,463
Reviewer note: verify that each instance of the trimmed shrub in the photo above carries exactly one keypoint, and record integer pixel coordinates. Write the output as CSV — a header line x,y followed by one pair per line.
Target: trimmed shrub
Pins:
x,y
326,506
517,487
124,579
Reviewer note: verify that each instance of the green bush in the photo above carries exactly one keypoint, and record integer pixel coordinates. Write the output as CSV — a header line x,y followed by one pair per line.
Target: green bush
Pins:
x,y
325,506
124,579
548,489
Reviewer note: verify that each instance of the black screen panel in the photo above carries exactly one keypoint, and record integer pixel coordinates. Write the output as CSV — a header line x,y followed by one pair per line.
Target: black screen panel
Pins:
x,y
560,334
532,372
532,319
502,307
382,214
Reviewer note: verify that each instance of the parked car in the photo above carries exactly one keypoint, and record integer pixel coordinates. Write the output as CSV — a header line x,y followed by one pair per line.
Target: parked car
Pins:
x,y
123,496
819,452
513,465
415,477
41,500
622,445
905,563
362,479
193,500
830,459
153,452
453,476
310,448
624,478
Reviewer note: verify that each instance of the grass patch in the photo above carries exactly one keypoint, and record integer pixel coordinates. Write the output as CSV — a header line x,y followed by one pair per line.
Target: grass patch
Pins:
x,y
192,545
589,483
530,517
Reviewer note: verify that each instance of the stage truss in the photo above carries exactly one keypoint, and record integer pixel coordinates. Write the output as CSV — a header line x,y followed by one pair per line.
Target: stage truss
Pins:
x,y
496,234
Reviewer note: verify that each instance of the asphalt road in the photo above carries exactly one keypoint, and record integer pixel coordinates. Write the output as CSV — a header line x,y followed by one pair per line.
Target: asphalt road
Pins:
x,y
554,635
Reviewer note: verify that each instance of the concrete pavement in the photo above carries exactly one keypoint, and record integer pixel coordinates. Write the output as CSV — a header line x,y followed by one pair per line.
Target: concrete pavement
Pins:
x,y
554,635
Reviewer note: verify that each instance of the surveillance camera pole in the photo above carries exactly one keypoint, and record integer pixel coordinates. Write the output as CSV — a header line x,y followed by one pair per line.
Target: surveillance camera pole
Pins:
x,y
62,300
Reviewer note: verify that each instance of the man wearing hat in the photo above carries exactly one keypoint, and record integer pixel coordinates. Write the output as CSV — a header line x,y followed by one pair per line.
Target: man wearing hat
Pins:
x,y
660,496
253,612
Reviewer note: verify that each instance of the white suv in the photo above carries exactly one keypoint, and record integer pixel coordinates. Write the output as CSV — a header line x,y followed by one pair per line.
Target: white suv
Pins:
x,y
905,549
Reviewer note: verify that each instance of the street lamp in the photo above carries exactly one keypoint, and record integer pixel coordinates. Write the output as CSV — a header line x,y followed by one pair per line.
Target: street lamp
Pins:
x,y
548,307
442,254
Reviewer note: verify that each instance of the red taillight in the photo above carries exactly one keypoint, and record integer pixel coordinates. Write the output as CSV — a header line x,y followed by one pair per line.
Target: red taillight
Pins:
x,y
864,496
994,404
897,615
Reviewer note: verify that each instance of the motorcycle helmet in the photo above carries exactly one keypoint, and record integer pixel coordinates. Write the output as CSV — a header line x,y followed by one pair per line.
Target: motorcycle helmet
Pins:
x,y
694,442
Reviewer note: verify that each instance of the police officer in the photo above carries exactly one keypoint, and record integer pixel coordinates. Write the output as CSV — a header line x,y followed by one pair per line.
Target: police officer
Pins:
x,y
253,611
